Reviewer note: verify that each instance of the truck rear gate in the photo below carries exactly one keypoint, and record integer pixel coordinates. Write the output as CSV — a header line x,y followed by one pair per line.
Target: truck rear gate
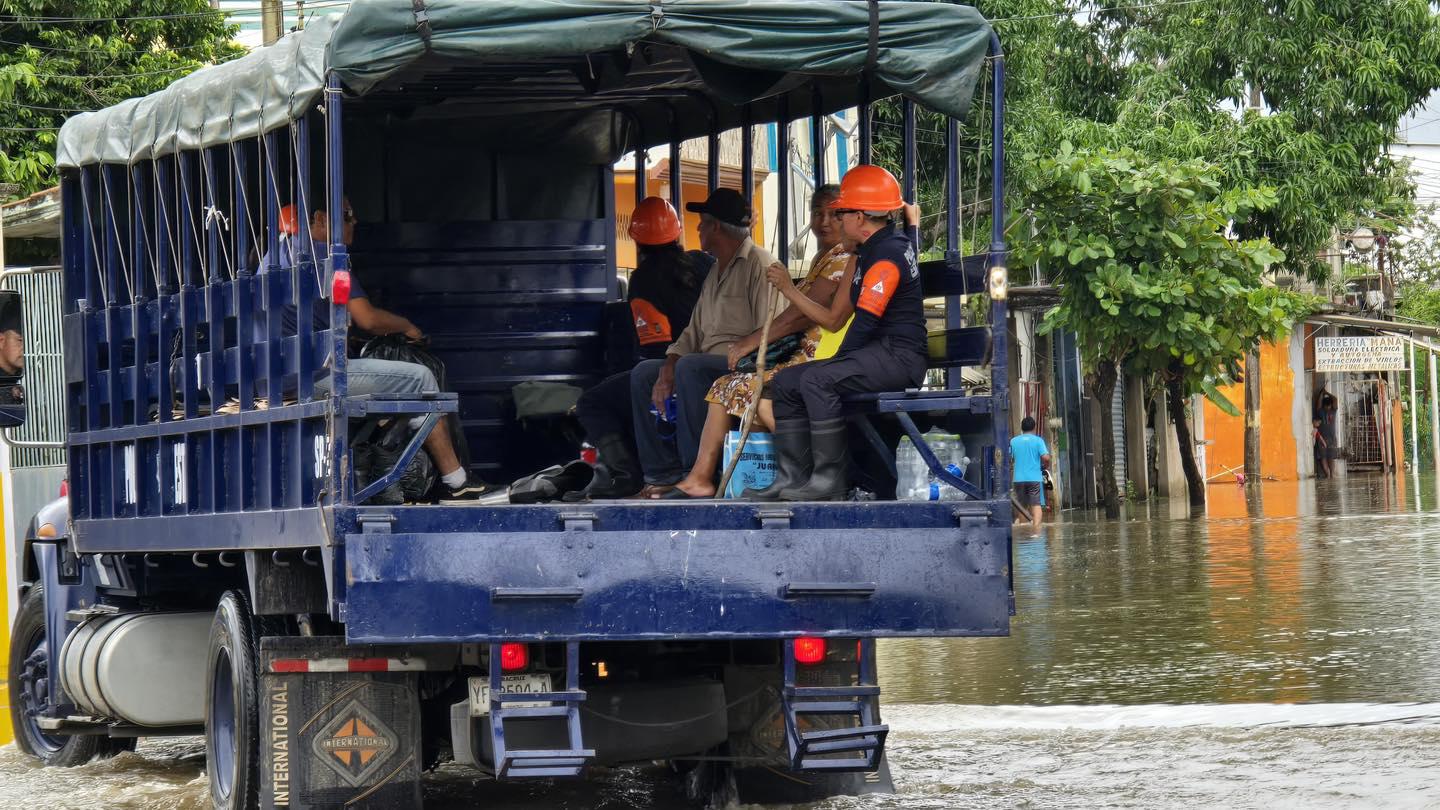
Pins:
x,y
655,571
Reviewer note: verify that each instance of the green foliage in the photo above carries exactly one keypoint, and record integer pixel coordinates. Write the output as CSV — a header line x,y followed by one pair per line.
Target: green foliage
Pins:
x,y
1414,257
1420,302
1150,278
1175,80
58,58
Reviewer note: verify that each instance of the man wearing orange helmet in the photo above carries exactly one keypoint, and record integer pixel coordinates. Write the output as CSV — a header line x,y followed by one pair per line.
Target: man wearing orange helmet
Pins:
x,y
662,292
883,350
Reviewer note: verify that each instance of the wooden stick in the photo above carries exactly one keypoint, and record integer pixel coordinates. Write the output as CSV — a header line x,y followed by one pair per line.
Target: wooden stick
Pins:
x,y
748,421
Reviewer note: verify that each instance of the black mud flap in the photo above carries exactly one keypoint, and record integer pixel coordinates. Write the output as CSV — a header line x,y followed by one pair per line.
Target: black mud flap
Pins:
x,y
339,739
757,734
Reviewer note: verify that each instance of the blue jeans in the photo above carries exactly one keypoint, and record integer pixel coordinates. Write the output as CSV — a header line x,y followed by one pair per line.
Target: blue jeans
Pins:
x,y
367,375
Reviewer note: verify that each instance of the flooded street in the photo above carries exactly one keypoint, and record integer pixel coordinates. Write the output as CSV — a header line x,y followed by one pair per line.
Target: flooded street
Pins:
x,y
1284,652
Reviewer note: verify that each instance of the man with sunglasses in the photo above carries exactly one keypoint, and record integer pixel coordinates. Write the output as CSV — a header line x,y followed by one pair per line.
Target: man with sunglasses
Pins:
x,y
368,375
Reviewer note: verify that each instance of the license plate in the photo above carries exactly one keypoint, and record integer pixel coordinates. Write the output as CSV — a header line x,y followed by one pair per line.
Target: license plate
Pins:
x,y
510,685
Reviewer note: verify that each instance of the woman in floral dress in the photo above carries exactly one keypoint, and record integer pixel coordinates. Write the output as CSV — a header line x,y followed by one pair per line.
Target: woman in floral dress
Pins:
x,y
732,394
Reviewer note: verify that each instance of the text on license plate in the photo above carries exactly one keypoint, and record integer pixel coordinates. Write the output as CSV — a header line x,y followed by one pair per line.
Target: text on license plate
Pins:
x,y
509,684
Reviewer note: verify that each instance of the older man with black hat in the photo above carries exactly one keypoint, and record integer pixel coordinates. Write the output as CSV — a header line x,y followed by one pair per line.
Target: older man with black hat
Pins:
x,y
733,304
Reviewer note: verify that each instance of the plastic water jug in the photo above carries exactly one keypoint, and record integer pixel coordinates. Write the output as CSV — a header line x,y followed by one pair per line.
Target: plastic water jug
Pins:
x,y
914,481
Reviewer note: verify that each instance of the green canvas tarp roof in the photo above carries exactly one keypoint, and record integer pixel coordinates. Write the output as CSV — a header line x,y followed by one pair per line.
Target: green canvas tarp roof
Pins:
x,y
931,52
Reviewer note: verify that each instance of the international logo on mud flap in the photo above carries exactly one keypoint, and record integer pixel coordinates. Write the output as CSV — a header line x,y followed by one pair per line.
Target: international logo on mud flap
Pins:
x,y
354,744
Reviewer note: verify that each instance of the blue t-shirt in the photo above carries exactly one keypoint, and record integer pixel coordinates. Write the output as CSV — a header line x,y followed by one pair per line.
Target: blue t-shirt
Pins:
x,y
289,321
1027,448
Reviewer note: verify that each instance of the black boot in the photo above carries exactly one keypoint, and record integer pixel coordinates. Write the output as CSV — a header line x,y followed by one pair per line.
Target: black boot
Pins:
x,y
831,479
625,477
791,439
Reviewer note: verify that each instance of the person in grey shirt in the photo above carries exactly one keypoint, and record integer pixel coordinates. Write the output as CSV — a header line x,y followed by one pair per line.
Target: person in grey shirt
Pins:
x,y
733,303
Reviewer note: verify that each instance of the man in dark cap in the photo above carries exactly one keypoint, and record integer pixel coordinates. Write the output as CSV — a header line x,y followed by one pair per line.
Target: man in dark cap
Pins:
x,y
733,303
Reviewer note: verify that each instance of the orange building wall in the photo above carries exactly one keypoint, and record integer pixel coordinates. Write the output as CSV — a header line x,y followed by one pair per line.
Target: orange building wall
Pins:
x,y
690,192
1226,433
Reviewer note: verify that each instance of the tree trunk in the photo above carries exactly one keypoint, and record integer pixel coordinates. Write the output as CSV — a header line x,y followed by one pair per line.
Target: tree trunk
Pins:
x,y
1175,401
1252,418
1105,376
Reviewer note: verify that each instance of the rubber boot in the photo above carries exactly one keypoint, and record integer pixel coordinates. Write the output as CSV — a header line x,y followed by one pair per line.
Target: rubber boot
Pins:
x,y
830,481
791,440
625,477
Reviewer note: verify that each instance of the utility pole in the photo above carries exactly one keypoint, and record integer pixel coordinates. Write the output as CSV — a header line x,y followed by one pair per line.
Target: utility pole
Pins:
x,y
1252,417
1434,411
272,20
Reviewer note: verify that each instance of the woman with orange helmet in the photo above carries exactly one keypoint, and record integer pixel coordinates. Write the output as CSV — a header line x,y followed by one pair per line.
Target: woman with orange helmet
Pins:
x,y
884,349
662,293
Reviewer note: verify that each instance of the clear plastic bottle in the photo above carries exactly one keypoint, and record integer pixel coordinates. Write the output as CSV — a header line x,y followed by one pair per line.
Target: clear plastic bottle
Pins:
x,y
949,451
908,470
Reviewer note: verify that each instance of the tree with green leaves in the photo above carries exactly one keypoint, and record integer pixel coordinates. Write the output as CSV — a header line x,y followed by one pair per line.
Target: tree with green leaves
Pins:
x,y
60,58
1152,280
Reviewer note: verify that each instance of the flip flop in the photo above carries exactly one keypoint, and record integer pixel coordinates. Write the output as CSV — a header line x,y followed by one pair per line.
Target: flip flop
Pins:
x,y
654,492
676,494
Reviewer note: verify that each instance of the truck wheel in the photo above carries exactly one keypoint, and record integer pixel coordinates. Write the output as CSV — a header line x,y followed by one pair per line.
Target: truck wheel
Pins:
x,y
29,678
232,750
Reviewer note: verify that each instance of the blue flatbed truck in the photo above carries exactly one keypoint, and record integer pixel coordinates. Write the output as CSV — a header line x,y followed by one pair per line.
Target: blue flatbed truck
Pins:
x,y
215,569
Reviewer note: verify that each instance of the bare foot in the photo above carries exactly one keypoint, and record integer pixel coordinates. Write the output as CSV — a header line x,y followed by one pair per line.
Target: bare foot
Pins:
x,y
696,489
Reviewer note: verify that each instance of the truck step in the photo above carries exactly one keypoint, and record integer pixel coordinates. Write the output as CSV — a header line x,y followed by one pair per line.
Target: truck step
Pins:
x,y
816,750
537,763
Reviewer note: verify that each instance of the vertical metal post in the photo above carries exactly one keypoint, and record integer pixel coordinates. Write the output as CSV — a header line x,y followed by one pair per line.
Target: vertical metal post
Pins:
x,y
677,191
641,158
863,111
782,197
190,404
1434,411
1414,435
213,285
164,263
271,288
747,157
817,136
245,281
339,262
139,263
908,156
999,278
954,250
301,292
712,152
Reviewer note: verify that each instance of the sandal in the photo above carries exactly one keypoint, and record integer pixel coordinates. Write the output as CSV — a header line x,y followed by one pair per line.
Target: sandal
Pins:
x,y
653,492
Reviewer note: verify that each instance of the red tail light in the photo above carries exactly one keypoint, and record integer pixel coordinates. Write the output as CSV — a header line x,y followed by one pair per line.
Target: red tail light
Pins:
x,y
513,657
64,487
340,288
809,650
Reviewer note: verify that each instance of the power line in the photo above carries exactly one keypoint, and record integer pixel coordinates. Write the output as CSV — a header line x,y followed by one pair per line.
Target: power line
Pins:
x,y
57,49
12,19
1079,12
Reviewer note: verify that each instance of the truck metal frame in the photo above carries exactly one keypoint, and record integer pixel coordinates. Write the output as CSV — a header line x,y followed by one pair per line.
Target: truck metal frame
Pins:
x,y
206,468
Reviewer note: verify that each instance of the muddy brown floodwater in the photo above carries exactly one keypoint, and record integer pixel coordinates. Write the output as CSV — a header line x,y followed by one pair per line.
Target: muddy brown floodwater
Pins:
x,y
1281,651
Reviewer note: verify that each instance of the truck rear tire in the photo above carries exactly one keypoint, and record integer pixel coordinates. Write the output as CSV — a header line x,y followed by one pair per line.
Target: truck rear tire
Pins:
x,y
232,709
29,668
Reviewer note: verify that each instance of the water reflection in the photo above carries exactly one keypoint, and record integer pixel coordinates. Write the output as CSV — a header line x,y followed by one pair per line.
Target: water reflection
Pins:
x,y
1307,591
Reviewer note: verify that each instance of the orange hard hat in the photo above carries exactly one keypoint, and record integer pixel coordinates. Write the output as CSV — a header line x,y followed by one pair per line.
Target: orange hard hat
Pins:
x,y
287,220
868,188
654,222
